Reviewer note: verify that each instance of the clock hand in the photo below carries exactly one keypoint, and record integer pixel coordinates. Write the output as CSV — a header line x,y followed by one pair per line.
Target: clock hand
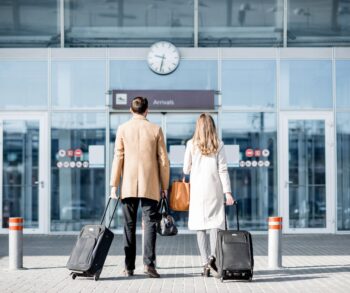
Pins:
x,y
161,64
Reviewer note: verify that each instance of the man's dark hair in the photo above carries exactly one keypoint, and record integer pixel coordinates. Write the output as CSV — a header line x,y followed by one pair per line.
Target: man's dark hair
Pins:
x,y
139,105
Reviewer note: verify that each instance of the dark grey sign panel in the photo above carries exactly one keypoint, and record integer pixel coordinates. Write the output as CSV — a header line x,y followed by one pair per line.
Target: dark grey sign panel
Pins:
x,y
166,99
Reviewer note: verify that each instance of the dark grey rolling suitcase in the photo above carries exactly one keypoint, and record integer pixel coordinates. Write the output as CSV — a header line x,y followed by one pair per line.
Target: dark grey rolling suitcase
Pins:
x,y
234,253
90,251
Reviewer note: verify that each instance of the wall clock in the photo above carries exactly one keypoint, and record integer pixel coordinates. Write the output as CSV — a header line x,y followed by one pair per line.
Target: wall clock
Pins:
x,y
163,57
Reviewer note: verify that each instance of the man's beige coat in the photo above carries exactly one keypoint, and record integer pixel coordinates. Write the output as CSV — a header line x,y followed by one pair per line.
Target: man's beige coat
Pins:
x,y
140,159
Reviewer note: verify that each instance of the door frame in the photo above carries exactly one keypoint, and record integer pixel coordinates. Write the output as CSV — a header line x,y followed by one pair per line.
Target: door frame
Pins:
x,y
44,194
330,169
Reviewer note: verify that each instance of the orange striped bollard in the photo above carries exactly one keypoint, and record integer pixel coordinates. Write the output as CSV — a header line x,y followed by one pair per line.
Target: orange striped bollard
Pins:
x,y
275,242
15,243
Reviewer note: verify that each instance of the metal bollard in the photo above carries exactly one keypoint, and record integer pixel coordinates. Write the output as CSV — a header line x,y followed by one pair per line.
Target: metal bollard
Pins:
x,y
15,243
275,242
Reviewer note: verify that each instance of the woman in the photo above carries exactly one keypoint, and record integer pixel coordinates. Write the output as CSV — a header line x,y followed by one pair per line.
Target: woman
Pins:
x,y
205,160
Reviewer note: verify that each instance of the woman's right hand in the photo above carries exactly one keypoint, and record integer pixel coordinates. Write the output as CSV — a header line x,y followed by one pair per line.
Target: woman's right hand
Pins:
x,y
229,199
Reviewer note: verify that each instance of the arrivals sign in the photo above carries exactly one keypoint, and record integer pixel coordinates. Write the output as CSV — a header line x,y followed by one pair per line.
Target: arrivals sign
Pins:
x,y
166,99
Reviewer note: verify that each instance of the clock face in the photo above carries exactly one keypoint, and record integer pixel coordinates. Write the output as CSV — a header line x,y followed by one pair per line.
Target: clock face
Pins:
x,y
163,57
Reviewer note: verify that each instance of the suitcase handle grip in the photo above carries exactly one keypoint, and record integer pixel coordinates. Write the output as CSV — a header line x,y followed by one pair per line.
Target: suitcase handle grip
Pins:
x,y
105,211
237,212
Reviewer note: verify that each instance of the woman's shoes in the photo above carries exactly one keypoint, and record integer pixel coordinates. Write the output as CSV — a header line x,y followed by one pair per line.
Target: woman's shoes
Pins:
x,y
212,266
206,271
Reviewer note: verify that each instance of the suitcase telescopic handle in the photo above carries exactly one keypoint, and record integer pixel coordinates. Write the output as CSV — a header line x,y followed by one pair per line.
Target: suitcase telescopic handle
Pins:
x,y
105,211
237,211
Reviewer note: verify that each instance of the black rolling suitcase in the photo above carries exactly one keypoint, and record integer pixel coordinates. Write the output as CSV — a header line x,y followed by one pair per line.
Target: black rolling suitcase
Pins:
x,y
90,251
234,253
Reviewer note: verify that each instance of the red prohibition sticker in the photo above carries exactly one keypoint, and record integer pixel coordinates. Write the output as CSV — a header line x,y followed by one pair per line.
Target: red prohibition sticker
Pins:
x,y
257,153
70,153
249,153
78,153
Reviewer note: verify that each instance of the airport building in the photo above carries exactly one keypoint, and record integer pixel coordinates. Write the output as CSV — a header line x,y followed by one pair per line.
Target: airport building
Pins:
x,y
274,74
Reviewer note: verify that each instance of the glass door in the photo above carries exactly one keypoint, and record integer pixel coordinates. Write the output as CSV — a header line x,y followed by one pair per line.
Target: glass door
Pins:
x,y
23,180
306,187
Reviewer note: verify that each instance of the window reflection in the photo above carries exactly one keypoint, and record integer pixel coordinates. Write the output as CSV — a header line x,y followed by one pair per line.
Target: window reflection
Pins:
x,y
307,174
77,178
23,84
131,23
78,83
343,84
318,22
306,84
20,190
253,185
29,23
228,23
343,173
189,75
249,84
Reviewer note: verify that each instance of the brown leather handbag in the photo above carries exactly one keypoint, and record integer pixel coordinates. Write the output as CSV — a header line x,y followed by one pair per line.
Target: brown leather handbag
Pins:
x,y
180,196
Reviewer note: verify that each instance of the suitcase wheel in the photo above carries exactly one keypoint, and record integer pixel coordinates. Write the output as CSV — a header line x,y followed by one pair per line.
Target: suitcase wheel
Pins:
x,y
74,276
97,275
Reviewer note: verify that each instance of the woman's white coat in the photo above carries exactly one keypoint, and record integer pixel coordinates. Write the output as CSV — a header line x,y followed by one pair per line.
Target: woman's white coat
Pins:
x,y
209,180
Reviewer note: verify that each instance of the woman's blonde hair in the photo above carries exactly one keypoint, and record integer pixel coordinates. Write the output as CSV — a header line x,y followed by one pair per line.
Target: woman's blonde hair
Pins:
x,y
205,136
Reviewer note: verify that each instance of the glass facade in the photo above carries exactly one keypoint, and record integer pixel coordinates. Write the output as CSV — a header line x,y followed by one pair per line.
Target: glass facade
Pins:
x,y
343,171
318,23
78,83
23,83
20,188
29,23
77,172
254,180
306,84
228,23
213,23
250,84
307,174
252,92
343,84
131,23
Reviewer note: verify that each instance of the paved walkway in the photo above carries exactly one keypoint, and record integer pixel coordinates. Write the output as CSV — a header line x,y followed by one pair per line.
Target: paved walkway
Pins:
x,y
313,263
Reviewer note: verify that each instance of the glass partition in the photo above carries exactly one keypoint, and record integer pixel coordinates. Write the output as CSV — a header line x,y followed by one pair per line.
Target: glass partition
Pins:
x,y
228,23
252,139
306,84
190,75
343,167
20,188
23,84
77,170
318,23
250,84
343,83
179,129
78,83
131,23
307,173
29,23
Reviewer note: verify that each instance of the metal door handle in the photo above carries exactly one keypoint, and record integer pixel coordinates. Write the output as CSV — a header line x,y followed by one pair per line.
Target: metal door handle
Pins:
x,y
40,182
287,183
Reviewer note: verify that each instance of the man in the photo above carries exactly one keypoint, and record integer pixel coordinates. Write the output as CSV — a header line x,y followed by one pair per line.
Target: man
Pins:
x,y
140,158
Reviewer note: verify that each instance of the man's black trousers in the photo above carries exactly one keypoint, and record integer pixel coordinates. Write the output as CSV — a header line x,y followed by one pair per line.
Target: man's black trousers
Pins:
x,y
150,216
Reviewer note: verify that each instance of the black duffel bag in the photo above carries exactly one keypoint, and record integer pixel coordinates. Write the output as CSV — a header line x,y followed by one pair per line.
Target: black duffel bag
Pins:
x,y
166,225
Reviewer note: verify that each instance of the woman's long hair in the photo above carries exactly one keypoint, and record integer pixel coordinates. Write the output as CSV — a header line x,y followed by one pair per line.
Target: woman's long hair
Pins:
x,y
205,136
